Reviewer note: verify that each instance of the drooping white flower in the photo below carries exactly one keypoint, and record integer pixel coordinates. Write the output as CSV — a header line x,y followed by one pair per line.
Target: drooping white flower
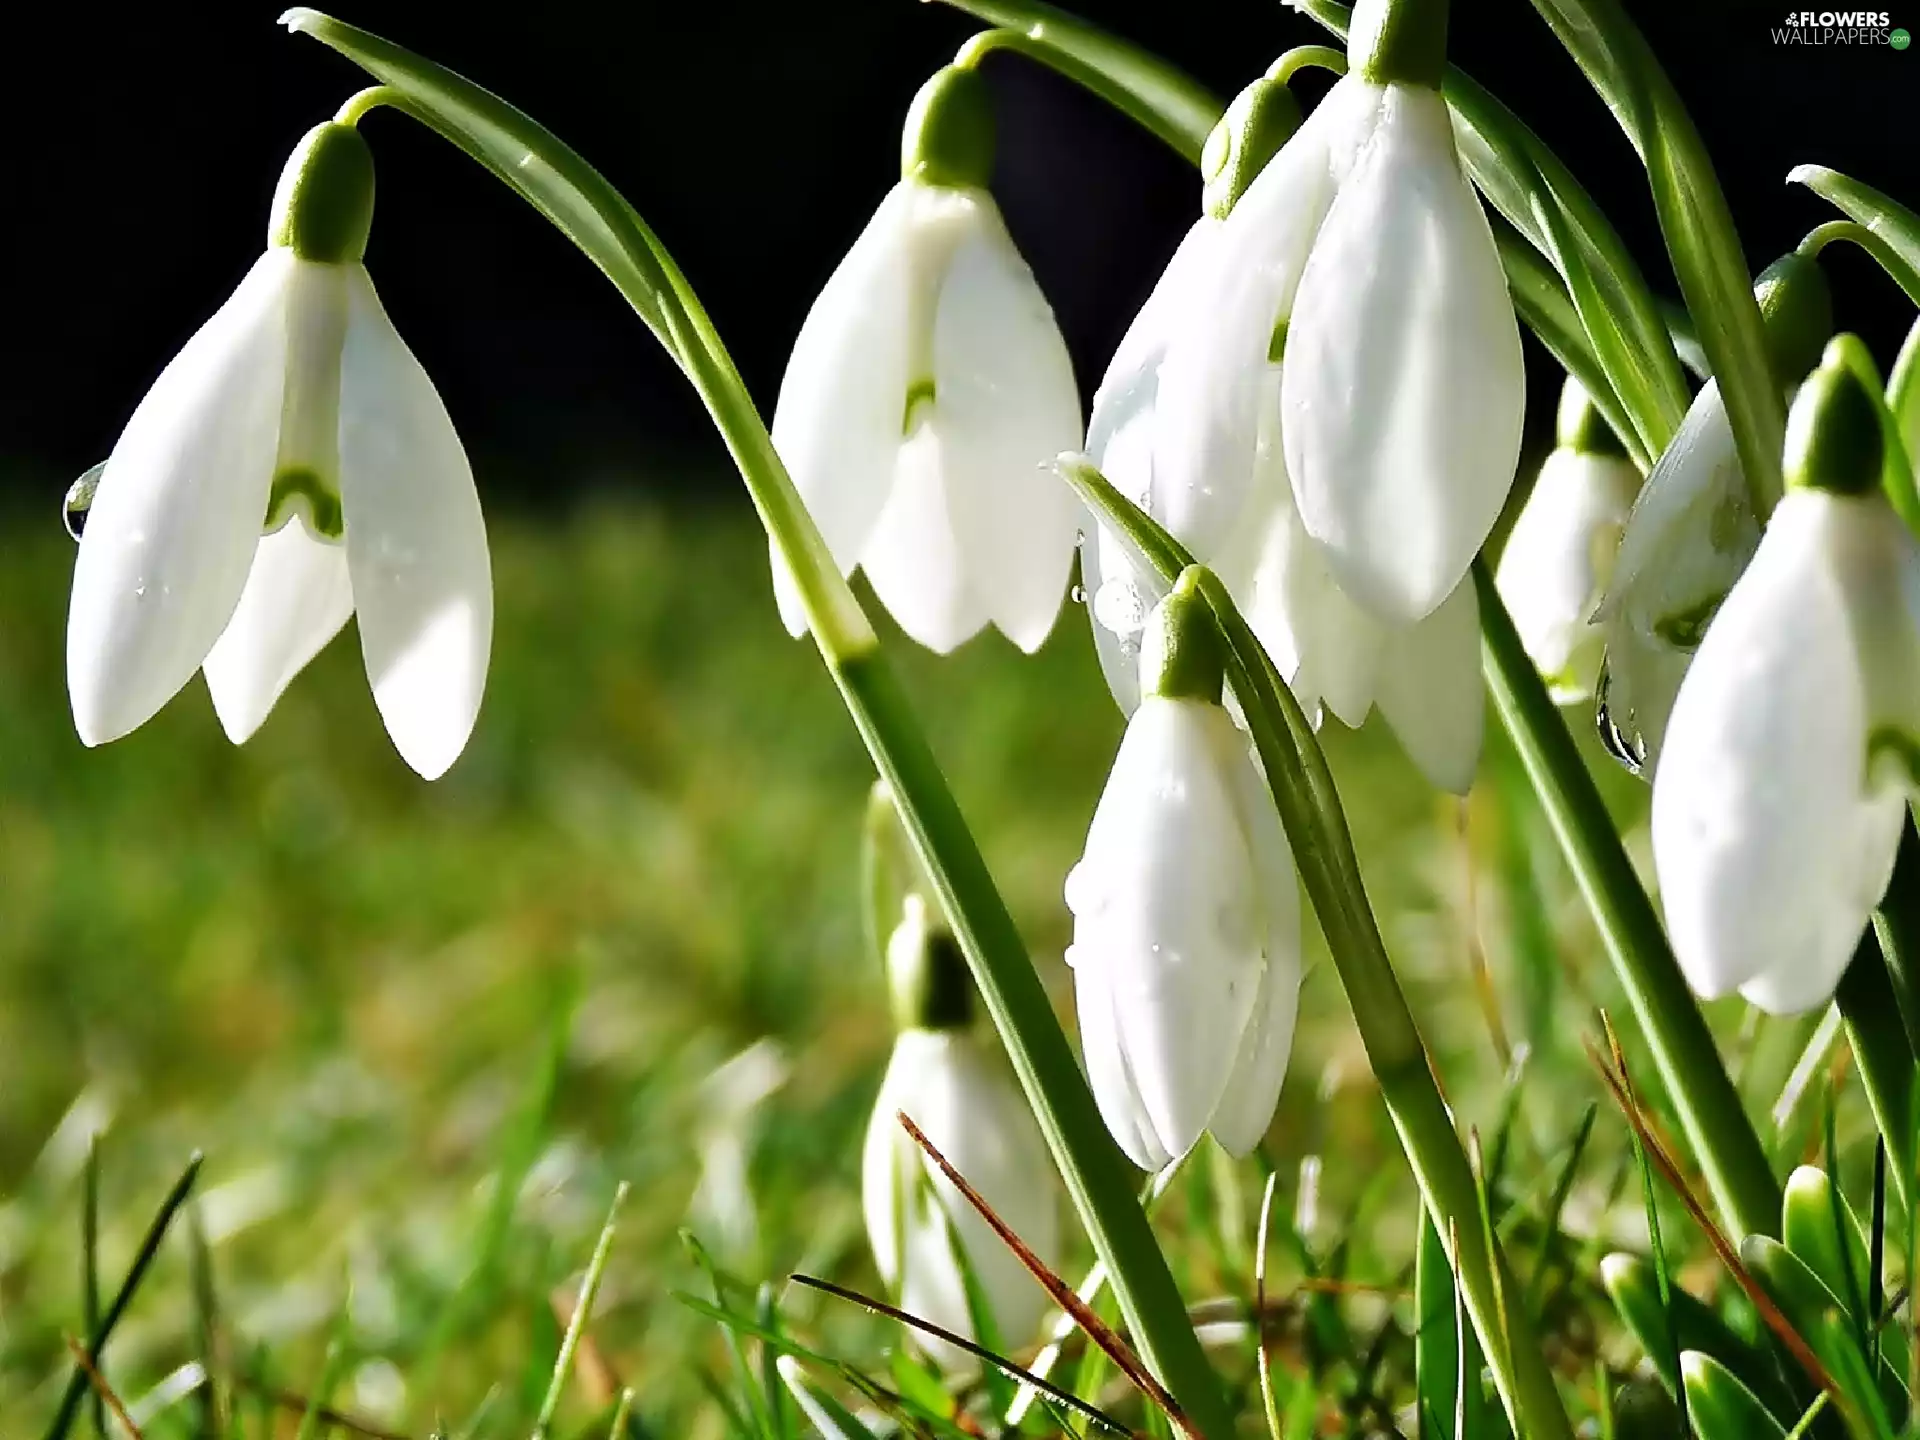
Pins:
x,y
945,1081
1186,946
928,388
1692,530
1560,552
292,466
1425,677
1362,254
1686,541
1788,762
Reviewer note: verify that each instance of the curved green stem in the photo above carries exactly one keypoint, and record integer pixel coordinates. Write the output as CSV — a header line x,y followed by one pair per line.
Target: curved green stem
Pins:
x,y
1899,269
1171,104
1717,1126
1309,805
357,106
564,187
1301,57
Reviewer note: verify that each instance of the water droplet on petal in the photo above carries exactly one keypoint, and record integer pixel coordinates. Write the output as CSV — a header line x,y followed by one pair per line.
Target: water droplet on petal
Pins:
x,y
80,500
1622,747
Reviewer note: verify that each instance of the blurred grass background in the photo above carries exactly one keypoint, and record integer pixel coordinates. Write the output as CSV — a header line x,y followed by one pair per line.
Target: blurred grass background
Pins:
x,y
421,1031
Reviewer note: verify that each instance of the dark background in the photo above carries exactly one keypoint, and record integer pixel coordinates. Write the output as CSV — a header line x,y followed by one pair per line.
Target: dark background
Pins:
x,y
756,138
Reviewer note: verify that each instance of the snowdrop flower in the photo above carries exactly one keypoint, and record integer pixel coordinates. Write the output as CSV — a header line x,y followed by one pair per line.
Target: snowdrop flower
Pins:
x,y
1361,254
962,1099
1187,929
926,391
292,466
1790,756
1692,530
1425,676
1560,553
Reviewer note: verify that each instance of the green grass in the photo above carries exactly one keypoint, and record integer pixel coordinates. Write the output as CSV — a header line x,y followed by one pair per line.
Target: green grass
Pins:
x,y
368,999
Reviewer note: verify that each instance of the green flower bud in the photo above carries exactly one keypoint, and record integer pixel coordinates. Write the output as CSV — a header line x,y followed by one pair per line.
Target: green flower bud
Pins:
x,y
1399,42
1182,653
1580,427
1796,306
949,134
927,977
323,205
1807,1228
1833,430
1720,1407
1260,120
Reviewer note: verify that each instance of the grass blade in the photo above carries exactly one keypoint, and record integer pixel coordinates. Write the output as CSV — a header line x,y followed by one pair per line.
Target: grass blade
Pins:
x,y
582,1312
96,1343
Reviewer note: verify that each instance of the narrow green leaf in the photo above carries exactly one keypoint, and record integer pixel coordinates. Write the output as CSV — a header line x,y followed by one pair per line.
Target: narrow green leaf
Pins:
x,y
1631,1283
1698,227
1881,1053
1717,1126
77,1383
1722,1408
827,1415
90,1269
582,1313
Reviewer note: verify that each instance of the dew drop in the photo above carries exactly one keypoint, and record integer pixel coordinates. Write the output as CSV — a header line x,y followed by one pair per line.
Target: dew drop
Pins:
x,y
1078,594
1629,750
73,510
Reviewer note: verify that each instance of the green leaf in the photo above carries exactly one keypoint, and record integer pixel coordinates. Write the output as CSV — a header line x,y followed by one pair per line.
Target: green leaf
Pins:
x,y
1635,1292
1171,104
1698,227
1722,1408
1716,1123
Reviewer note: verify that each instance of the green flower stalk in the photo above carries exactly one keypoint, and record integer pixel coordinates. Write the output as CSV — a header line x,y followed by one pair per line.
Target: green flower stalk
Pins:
x,y
598,219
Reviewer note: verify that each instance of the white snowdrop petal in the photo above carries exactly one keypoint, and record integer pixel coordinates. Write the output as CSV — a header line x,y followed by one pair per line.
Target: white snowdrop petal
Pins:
x,y
1430,690
1688,537
416,543
1253,1089
1770,848
1007,405
1404,390
841,413
1260,1069
1557,562
297,598
1164,903
1120,446
968,1109
913,557
1207,416
1108,1074
176,519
